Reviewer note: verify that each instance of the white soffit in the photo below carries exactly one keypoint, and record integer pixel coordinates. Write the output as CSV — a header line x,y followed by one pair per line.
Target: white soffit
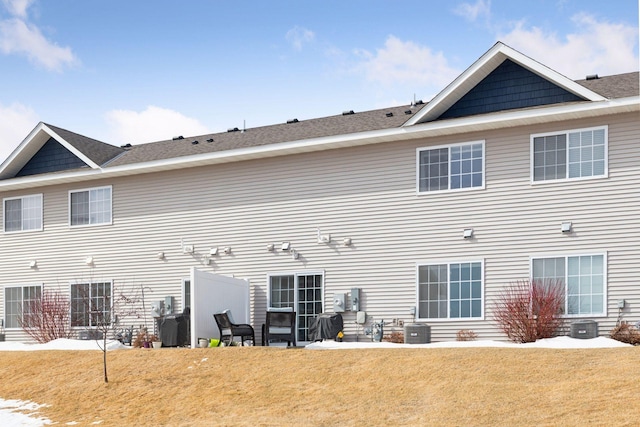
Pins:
x,y
481,69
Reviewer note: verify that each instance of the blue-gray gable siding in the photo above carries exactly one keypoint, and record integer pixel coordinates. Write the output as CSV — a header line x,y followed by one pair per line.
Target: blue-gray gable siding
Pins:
x,y
507,87
52,157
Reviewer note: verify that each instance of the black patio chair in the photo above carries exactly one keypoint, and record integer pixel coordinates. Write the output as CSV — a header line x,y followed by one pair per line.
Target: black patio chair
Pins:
x,y
280,326
228,330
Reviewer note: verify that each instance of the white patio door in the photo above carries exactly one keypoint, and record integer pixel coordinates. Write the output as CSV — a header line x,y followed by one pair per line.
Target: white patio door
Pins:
x,y
303,293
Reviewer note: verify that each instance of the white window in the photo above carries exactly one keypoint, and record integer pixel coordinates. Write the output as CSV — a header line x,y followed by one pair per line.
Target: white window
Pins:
x,y
583,278
88,207
23,213
569,155
91,304
450,291
19,304
453,167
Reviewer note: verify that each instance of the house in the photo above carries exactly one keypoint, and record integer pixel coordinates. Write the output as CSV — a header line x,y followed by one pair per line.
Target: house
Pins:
x,y
418,213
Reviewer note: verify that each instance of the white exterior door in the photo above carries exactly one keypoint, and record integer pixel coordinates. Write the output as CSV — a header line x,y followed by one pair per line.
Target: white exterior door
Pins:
x,y
301,291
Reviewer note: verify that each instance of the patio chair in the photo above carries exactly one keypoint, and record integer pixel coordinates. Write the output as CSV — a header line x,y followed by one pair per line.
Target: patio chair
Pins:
x,y
229,330
280,326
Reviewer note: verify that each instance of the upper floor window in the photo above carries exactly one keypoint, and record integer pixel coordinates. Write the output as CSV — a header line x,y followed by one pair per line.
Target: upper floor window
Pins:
x,y
20,302
569,154
583,278
452,167
92,206
23,213
450,291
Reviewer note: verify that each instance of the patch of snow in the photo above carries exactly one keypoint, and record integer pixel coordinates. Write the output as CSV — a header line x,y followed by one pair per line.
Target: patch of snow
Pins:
x,y
62,344
21,413
557,342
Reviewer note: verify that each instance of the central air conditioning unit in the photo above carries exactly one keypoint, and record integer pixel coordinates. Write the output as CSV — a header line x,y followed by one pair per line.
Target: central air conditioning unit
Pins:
x,y
584,329
188,249
417,333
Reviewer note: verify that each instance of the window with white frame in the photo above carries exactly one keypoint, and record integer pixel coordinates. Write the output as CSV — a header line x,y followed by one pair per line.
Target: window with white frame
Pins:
x,y
91,206
450,291
19,303
453,167
583,277
569,155
91,304
23,213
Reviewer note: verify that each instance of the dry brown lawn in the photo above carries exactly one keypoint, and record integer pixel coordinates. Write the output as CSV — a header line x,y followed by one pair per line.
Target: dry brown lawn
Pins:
x,y
266,386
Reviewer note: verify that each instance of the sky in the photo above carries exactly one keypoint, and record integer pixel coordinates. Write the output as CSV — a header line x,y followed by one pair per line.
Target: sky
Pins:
x,y
142,71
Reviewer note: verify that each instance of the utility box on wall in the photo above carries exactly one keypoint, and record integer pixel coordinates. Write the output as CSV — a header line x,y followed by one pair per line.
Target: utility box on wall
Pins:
x,y
355,299
339,302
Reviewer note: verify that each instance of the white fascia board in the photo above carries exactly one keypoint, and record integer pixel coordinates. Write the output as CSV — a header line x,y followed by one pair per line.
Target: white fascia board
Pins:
x,y
34,142
526,117
71,148
423,130
482,68
21,148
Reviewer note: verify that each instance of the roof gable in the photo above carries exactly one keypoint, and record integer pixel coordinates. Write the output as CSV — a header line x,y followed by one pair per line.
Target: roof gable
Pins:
x,y
484,67
508,87
50,149
52,157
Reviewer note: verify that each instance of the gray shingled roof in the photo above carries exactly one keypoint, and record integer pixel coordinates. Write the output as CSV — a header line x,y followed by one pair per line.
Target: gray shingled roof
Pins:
x,y
99,152
618,86
255,137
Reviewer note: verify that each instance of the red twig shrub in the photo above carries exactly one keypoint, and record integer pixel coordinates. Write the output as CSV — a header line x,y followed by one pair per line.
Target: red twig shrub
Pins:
x,y
626,333
46,318
530,310
466,335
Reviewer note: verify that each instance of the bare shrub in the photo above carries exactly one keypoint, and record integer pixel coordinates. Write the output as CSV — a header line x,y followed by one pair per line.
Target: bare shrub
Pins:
x,y
46,318
466,335
395,337
530,310
626,333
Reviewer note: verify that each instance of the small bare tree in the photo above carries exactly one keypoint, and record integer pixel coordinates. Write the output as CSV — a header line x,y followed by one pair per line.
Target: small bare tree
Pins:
x,y
46,318
529,310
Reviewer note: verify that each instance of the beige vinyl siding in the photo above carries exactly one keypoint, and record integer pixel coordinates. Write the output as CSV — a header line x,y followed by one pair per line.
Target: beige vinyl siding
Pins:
x,y
366,193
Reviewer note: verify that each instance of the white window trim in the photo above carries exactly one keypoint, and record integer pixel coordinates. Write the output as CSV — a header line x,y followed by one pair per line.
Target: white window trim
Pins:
x,y
448,262
605,274
80,190
4,302
4,213
296,273
567,179
448,146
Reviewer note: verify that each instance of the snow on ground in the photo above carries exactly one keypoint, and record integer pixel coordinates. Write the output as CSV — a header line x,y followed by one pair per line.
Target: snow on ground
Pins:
x,y
61,344
24,413
558,342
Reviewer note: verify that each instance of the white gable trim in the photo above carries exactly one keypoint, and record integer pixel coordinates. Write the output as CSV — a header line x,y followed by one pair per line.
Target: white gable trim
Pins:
x,y
481,69
30,146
